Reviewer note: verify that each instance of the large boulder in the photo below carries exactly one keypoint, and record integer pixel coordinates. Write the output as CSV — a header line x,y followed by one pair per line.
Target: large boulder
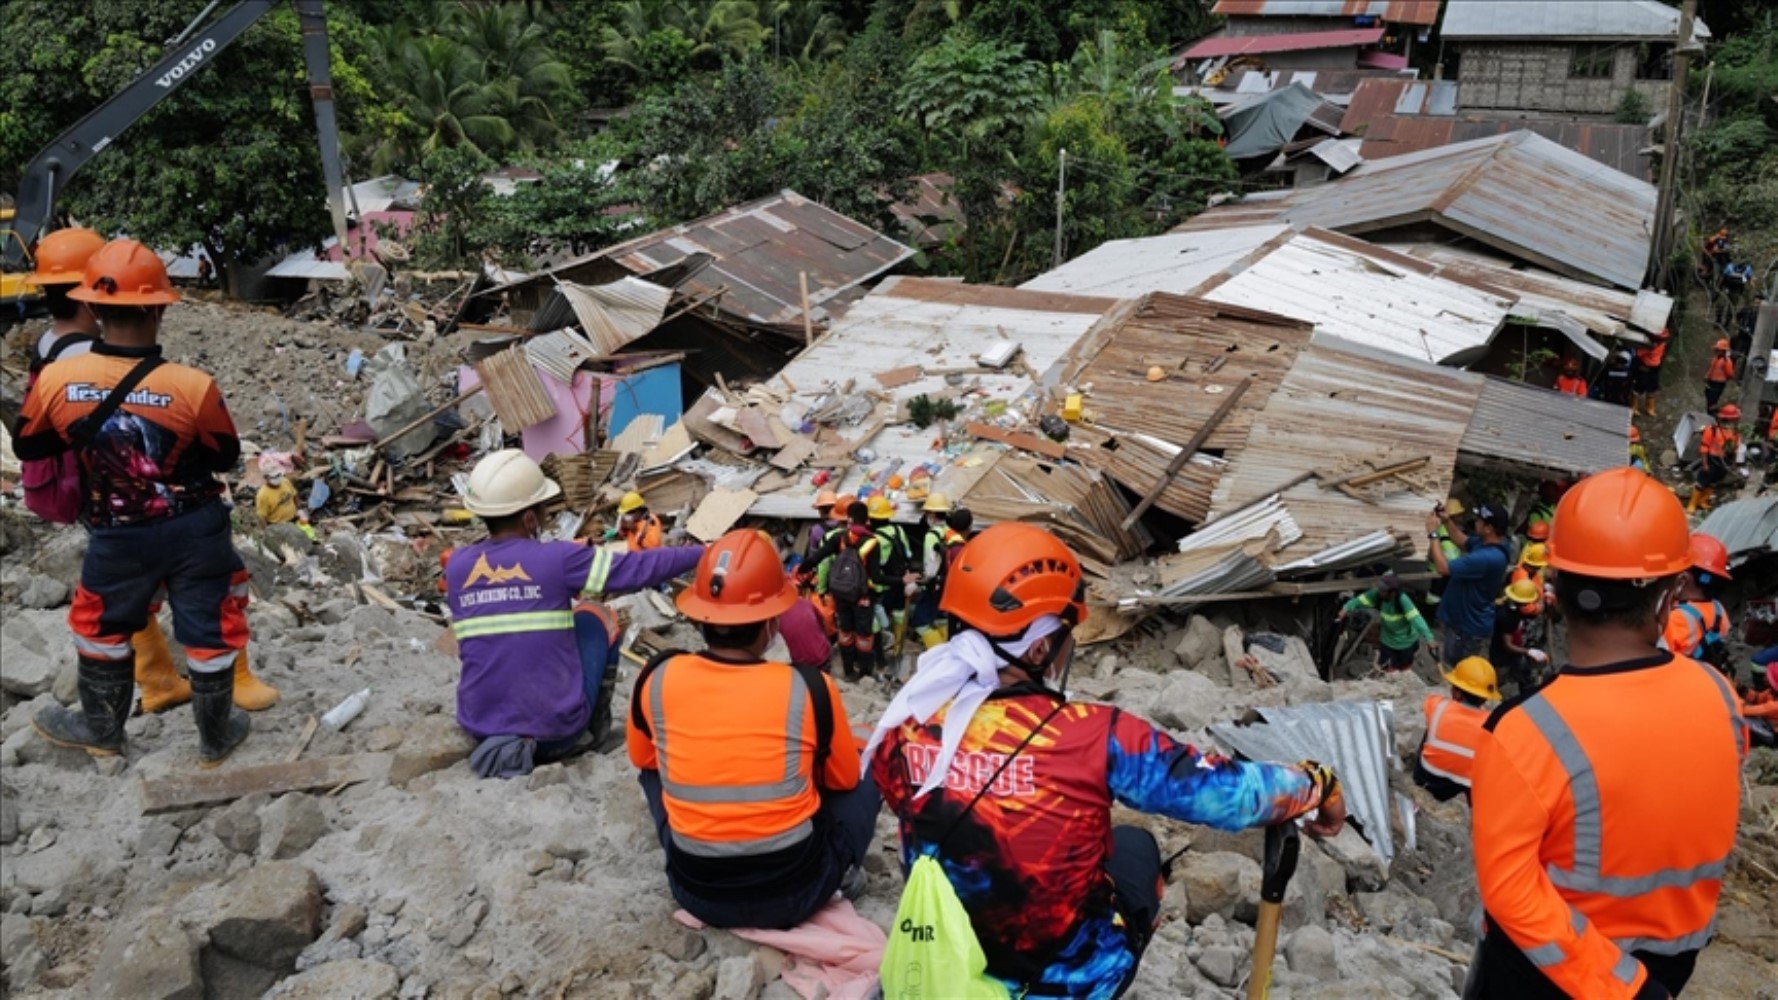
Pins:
x,y
1222,883
290,826
1189,701
28,668
264,916
152,958
357,979
1310,951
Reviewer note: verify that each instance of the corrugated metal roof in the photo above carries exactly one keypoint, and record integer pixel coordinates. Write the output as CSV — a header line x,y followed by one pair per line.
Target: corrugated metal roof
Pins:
x,y
757,250
1393,11
929,214
1530,427
1206,349
1248,45
1340,406
1346,287
1621,147
932,325
1745,527
1625,20
1355,738
306,265
1549,299
1381,96
1520,193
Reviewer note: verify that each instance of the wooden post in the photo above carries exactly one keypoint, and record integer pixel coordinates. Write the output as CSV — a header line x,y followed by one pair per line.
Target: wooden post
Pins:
x,y
802,279
1661,242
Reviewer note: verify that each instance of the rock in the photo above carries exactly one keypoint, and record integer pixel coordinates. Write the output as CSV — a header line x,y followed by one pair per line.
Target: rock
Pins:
x,y
1310,951
1365,872
738,979
157,839
464,927
389,906
324,951
43,593
42,839
52,902
545,776
1221,963
66,688
348,922
290,826
569,841
153,958
335,611
538,862
357,979
1201,643
16,934
24,672
383,738
1394,908
266,915
681,944
429,744
1189,701
1221,883
238,825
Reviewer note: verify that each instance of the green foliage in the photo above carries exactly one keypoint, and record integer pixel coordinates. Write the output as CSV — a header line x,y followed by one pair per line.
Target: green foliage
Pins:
x,y
925,411
1634,109
964,92
1733,175
656,42
452,208
1099,195
575,206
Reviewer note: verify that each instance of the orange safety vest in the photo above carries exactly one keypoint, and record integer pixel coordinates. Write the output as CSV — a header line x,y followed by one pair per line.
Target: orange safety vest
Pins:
x,y
1588,844
1772,429
1717,441
1682,635
736,748
1652,355
1573,385
1722,368
644,534
1453,731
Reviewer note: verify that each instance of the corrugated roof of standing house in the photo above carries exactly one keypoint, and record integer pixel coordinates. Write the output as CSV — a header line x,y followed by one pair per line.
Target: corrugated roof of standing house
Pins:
x,y
1551,300
1563,20
1520,193
1302,41
1519,427
1344,286
1424,12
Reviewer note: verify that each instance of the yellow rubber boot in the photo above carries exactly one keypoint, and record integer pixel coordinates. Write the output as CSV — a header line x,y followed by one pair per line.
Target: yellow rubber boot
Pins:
x,y
162,687
1650,402
251,693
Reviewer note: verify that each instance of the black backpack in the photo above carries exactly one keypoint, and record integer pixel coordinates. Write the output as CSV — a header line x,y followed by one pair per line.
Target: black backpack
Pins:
x,y
847,578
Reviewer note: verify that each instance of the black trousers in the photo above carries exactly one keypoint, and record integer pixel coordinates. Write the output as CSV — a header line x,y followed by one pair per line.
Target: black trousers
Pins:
x,y
1135,870
1506,974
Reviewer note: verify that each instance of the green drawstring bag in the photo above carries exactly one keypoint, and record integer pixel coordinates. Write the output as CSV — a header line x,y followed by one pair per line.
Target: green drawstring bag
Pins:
x,y
932,951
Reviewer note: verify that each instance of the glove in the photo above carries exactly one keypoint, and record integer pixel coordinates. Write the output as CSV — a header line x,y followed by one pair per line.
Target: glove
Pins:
x,y
1538,656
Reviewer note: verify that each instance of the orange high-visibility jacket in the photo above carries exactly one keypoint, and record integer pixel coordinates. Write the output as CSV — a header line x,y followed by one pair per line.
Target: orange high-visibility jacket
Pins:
x,y
1591,843
1453,731
1683,634
734,743
1717,441
1573,385
1722,368
644,534
1651,355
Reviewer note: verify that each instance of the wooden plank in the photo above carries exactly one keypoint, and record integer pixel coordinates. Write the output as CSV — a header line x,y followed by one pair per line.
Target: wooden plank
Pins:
x,y
1278,590
1185,454
898,376
753,423
302,742
515,389
718,513
1029,442
793,455
208,788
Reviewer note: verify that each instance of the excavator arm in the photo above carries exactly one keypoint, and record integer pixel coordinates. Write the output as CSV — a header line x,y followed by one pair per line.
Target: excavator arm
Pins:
x,y
49,172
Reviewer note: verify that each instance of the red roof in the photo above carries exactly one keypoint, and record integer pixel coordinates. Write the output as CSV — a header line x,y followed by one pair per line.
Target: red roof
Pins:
x,y
1241,45
1422,12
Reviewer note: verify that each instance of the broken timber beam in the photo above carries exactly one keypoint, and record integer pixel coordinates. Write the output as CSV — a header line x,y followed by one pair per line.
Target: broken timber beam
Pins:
x,y
1275,590
208,788
1186,453
1029,442
1376,475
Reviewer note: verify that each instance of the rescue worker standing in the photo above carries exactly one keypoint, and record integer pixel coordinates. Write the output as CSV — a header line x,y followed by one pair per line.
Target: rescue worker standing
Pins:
x,y
1698,626
938,547
1454,729
1614,382
1062,902
894,574
1467,610
59,265
1571,382
749,767
1436,590
154,510
1401,627
1718,445
537,650
1717,376
639,528
1645,375
1599,859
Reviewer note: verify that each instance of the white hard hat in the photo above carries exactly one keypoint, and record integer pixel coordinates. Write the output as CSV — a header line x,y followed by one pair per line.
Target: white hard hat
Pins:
x,y
506,482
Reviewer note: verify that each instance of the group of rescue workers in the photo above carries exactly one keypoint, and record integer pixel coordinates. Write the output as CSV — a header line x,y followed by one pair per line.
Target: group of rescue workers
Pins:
x,y
763,800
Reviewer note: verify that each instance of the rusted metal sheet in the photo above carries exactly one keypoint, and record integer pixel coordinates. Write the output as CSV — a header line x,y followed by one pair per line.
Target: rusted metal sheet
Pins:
x,y
1420,12
1380,97
1621,147
1341,405
1080,505
1528,427
1592,20
929,214
1519,192
1241,45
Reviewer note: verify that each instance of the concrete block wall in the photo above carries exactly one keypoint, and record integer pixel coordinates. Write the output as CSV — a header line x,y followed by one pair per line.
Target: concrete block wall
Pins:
x,y
1517,77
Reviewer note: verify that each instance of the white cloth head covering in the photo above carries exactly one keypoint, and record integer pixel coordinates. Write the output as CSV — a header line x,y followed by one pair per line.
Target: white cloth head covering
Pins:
x,y
961,673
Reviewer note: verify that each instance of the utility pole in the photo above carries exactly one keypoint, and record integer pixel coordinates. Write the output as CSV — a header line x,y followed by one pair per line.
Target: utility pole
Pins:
x,y
1061,186
1661,245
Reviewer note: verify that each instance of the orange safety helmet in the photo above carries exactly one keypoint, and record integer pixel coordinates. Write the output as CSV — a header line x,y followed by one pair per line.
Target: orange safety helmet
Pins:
x,y
62,256
125,273
842,505
1666,333
1635,436
1009,576
1729,413
1539,531
1710,555
826,498
1571,366
1620,525
740,580
1722,343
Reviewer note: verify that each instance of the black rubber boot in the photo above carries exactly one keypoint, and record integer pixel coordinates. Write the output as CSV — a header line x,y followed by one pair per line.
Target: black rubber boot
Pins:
x,y
848,663
600,725
221,726
107,687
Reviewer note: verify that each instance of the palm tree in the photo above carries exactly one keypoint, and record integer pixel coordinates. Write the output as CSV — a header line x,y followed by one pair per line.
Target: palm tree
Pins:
x,y
714,28
445,98
806,31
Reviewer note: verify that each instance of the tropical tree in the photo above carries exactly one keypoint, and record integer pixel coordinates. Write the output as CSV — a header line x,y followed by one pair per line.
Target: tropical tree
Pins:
x,y
805,31
658,40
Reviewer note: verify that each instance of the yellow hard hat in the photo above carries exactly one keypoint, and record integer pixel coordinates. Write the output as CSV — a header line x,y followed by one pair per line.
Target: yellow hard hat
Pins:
x,y
1522,592
1453,506
1536,554
631,501
937,503
1475,675
880,508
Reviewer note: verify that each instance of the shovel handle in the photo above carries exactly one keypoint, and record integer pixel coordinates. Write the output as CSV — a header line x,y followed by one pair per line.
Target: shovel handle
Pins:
x,y
1265,944
1282,846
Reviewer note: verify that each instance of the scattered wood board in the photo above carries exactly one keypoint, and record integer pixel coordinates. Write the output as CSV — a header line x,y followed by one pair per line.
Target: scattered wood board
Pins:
x,y
898,376
515,389
637,435
1029,442
302,742
792,456
753,422
208,788
718,512
672,443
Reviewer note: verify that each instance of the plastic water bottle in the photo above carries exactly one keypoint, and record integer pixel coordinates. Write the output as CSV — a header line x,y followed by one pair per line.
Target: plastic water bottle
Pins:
x,y
346,711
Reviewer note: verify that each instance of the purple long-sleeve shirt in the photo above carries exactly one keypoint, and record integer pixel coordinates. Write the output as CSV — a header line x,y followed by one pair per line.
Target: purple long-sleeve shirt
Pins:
x,y
511,604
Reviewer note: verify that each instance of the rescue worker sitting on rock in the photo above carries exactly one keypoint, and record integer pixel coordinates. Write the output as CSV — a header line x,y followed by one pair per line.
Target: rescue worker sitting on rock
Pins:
x,y
536,650
1062,902
749,767
1454,729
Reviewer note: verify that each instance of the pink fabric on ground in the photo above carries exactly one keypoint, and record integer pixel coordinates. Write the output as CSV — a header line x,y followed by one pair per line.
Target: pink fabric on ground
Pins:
x,y
836,952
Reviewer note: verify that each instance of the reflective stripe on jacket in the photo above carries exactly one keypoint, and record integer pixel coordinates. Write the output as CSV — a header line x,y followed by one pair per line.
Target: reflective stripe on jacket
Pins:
x,y
1686,630
1589,842
735,745
1453,731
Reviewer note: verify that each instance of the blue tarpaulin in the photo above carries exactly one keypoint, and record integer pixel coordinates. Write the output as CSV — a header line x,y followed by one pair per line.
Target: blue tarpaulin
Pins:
x,y
655,391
